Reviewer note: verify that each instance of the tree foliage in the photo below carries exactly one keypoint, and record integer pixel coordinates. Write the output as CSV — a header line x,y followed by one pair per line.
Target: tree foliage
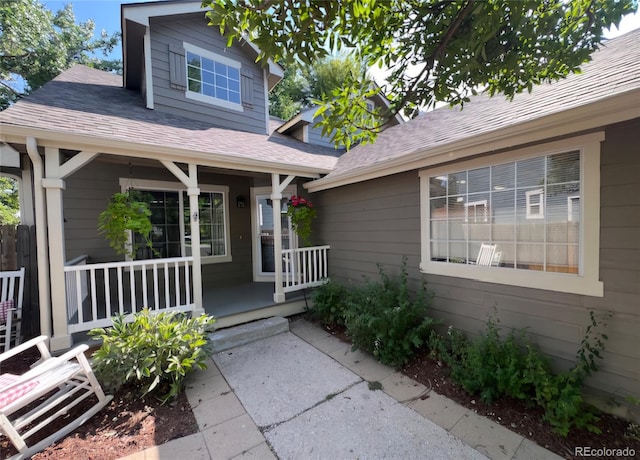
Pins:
x,y
434,50
37,44
9,202
302,85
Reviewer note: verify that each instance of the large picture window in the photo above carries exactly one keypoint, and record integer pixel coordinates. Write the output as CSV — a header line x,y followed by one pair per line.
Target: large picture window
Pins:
x,y
170,215
531,208
213,78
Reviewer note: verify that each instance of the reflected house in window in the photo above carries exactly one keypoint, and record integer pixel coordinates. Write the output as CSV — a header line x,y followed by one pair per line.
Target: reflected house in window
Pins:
x,y
504,204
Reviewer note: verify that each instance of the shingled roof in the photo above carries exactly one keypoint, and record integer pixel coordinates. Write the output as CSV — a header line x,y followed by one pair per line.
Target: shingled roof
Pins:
x,y
93,103
614,70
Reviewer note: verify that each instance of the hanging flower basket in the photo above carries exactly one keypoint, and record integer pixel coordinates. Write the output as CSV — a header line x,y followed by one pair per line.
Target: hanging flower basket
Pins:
x,y
127,211
301,213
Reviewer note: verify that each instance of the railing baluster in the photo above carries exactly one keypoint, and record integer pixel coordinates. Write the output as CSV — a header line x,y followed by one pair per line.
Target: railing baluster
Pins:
x,y
144,287
156,289
187,282
120,292
166,285
107,293
94,299
132,288
176,282
80,310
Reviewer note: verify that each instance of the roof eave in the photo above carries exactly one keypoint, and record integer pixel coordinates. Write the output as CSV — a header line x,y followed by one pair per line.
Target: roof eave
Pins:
x,y
621,107
59,139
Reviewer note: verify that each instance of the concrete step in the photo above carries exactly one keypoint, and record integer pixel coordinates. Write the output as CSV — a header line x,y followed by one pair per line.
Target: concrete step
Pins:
x,y
224,339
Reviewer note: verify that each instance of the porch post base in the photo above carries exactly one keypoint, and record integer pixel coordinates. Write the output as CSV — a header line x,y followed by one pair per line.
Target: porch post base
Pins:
x,y
278,297
60,342
197,312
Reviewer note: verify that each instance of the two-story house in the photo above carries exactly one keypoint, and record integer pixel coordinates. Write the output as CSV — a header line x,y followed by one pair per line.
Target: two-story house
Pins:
x,y
550,181
188,125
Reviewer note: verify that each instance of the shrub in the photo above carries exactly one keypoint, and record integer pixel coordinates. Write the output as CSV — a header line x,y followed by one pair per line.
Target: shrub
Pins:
x,y
384,319
330,302
493,367
154,352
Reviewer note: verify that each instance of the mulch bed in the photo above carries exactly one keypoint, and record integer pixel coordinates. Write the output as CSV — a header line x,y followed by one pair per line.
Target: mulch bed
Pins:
x,y
125,426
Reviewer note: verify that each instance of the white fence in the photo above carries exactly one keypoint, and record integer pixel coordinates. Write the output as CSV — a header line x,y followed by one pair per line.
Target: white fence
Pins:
x,y
305,267
98,291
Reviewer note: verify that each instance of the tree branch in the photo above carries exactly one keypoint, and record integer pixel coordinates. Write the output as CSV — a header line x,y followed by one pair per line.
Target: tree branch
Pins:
x,y
431,59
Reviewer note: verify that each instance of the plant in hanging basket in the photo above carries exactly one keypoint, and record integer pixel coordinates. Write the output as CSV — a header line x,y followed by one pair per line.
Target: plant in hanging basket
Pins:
x,y
301,213
127,211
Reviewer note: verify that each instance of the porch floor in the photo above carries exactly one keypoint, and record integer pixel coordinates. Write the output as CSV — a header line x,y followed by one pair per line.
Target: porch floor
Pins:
x,y
241,298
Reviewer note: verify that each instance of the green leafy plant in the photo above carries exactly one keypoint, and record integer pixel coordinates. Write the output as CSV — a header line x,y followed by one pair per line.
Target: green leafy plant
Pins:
x,y
561,395
126,212
493,367
153,353
301,213
330,302
385,319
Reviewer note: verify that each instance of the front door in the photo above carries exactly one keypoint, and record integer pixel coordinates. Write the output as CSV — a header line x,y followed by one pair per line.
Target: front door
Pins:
x,y
263,237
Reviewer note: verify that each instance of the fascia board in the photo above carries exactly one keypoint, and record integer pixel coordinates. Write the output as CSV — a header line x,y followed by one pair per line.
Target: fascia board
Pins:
x,y
615,109
141,12
47,138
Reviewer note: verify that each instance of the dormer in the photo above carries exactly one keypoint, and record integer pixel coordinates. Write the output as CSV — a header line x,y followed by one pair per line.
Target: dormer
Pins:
x,y
182,66
304,126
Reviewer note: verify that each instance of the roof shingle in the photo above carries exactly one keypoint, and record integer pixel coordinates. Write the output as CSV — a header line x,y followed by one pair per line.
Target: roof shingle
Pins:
x,y
90,102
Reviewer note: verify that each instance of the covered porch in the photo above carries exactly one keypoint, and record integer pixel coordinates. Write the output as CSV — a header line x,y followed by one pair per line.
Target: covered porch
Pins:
x,y
83,284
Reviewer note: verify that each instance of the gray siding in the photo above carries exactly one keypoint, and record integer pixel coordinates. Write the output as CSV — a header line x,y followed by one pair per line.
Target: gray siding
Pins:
x,y
378,222
87,194
316,137
194,30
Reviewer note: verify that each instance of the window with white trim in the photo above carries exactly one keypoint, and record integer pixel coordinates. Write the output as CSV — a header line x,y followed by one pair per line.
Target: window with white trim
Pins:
x,y
170,218
529,204
212,78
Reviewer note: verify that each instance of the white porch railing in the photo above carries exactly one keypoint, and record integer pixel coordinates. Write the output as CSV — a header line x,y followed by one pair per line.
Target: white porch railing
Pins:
x,y
75,284
98,291
304,267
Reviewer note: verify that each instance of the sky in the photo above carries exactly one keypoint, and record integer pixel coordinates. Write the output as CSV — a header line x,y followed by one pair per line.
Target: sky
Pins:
x,y
106,15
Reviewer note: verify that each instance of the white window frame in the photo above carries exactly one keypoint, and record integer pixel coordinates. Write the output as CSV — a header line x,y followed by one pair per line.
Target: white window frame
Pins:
x,y
475,205
570,206
189,48
166,186
587,281
531,214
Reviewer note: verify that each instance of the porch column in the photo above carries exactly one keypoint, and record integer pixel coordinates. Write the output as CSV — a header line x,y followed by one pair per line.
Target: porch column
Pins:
x,y
191,182
276,197
194,220
54,185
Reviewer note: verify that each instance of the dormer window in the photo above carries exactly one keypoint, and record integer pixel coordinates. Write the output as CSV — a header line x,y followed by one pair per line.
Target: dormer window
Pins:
x,y
212,78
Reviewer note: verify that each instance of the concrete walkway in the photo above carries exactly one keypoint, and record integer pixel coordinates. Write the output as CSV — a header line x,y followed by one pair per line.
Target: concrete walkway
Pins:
x,y
304,395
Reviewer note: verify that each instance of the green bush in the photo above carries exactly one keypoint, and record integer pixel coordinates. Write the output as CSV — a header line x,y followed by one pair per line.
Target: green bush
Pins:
x,y
330,302
492,367
386,320
153,353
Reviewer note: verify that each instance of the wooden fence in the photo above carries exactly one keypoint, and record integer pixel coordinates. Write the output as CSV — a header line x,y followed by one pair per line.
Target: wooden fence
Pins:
x,y
18,249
